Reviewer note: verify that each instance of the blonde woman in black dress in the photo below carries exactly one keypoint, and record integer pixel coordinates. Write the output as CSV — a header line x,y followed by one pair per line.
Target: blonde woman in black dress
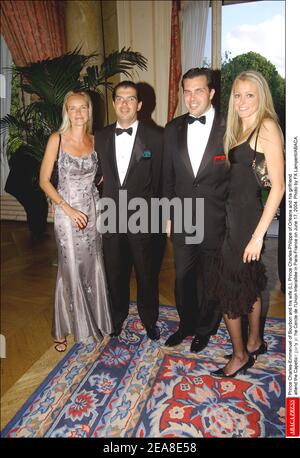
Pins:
x,y
251,126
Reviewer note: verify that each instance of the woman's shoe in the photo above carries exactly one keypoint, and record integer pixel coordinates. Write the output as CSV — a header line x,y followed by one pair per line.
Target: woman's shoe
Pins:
x,y
260,351
57,345
244,368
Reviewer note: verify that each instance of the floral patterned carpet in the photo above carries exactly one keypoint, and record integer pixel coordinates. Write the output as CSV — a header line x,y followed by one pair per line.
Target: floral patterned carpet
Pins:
x,y
131,386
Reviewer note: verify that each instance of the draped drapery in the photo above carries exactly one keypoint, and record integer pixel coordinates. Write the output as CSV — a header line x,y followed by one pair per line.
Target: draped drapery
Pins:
x,y
6,62
33,30
193,33
188,36
175,60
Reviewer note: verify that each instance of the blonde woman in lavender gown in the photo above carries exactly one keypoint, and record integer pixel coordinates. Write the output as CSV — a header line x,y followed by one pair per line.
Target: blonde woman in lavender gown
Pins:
x,y
81,303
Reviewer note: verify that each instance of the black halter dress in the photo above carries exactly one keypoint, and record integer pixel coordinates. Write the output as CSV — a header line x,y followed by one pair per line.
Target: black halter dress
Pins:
x,y
239,284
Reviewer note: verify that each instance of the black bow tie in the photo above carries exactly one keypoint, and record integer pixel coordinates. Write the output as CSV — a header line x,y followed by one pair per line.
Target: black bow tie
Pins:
x,y
191,119
120,131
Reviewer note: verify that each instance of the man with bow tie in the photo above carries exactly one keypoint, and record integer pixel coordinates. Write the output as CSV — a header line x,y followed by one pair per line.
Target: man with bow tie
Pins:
x,y
195,167
129,159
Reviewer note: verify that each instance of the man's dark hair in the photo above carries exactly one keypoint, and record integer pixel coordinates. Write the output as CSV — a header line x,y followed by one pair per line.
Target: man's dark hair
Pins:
x,y
126,84
194,72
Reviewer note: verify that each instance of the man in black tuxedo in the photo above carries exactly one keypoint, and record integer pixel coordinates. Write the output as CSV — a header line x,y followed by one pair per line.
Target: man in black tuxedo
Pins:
x,y
195,167
129,156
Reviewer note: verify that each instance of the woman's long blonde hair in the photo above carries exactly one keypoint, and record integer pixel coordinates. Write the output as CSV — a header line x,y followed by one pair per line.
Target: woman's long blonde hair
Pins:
x,y
234,133
66,124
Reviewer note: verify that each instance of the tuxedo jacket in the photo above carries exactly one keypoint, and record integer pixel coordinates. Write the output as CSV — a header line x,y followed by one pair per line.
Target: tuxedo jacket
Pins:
x,y
143,177
210,183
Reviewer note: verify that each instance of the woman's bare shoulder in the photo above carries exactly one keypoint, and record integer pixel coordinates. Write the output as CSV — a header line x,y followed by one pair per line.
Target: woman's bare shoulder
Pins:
x,y
269,127
54,138
270,136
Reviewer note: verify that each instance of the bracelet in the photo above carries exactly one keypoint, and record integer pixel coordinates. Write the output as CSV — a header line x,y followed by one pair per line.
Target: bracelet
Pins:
x,y
257,239
61,203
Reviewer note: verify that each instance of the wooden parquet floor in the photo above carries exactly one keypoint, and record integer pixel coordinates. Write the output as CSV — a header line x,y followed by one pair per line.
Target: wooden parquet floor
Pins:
x,y
28,276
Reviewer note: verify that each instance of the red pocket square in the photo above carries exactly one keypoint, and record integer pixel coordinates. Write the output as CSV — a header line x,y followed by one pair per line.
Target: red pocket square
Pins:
x,y
222,157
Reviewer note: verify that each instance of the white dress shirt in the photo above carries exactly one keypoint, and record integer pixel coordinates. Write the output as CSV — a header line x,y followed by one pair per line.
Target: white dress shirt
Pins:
x,y
124,144
197,138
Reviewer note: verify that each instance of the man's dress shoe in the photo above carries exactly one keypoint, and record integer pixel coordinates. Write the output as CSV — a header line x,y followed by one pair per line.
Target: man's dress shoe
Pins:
x,y
199,343
175,339
153,333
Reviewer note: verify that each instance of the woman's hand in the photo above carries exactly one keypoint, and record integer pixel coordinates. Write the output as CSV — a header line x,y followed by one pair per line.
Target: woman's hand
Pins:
x,y
253,250
76,216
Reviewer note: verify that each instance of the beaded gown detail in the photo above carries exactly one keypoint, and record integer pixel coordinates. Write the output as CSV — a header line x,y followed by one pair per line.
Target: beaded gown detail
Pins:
x,y
81,303
239,284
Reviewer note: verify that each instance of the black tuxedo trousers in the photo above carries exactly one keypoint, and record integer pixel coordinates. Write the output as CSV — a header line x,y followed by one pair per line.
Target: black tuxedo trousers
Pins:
x,y
121,252
193,264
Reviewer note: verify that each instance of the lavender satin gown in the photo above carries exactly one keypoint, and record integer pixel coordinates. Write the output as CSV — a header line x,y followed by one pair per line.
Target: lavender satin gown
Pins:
x,y
81,299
